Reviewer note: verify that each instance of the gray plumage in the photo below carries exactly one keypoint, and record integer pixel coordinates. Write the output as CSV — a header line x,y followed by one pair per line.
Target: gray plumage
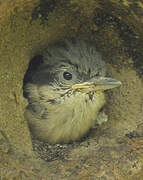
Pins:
x,y
58,111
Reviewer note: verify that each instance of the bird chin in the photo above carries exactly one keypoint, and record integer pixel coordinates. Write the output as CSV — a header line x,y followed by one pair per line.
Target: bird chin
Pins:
x,y
68,121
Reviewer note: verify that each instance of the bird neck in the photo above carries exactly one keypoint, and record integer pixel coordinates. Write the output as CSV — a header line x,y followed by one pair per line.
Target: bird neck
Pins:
x,y
74,116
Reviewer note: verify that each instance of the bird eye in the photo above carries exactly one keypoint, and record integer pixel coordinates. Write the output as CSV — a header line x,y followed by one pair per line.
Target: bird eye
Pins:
x,y
67,75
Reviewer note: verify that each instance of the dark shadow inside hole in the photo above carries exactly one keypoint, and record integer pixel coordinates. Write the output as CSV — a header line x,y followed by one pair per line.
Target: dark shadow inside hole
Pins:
x,y
33,66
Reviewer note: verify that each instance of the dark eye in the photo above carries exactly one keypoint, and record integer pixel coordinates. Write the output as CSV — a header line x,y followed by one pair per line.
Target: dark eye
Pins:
x,y
67,75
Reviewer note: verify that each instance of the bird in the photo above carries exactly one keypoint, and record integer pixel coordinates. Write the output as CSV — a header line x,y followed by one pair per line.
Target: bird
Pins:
x,y
66,92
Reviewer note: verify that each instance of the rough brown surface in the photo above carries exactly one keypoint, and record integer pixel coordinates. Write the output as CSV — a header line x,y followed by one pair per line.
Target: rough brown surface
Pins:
x,y
111,152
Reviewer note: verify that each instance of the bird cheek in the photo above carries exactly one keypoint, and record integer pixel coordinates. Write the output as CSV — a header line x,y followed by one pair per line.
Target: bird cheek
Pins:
x,y
47,94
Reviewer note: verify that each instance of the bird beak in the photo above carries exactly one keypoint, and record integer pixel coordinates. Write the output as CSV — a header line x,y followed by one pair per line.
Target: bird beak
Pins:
x,y
95,84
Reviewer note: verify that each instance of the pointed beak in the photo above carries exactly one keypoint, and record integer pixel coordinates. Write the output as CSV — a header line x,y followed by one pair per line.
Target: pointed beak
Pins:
x,y
97,84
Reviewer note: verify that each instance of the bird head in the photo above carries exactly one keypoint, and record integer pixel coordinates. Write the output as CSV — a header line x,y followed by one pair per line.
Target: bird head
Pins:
x,y
65,93
74,67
